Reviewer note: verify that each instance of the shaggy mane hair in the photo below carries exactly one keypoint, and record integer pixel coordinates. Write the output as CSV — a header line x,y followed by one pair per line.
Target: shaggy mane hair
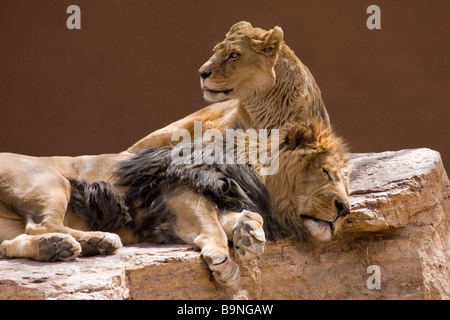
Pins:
x,y
302,144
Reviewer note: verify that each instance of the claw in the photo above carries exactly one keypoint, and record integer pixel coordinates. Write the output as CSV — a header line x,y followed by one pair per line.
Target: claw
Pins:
x,y
258,235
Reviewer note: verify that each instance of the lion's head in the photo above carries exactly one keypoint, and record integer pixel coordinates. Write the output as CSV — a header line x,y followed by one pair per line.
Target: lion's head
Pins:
x,y
243,64
310,189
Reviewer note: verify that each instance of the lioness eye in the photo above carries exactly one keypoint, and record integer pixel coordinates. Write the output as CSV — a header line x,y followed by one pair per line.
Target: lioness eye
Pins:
x,y
234,55
328,174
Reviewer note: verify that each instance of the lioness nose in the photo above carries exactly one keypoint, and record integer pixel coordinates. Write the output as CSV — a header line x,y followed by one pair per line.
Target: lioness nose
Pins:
x,y
342,207
204,74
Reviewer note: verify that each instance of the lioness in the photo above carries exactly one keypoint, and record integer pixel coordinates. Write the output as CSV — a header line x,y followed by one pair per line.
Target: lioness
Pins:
x,y
56,208
257,82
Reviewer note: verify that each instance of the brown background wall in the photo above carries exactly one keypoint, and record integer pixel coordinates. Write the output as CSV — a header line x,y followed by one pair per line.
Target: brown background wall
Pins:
x,y
132,68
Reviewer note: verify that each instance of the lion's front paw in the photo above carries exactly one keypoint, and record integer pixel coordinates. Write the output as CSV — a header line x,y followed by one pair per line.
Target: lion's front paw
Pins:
x,y
248,237
100,243
224,269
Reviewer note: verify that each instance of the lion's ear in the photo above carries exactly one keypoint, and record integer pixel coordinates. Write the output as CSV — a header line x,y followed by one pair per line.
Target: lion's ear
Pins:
x,y
239,25
300,136
271,42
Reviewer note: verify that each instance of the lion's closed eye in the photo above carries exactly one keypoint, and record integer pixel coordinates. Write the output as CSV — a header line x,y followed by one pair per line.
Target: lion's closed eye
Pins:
x,y
328,174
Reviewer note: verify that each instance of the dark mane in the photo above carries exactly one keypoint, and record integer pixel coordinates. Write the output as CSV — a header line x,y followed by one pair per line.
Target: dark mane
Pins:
x,y
232,187
100,204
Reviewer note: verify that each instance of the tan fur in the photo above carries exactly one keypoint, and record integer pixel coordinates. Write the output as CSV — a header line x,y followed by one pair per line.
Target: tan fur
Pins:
x,y
271,87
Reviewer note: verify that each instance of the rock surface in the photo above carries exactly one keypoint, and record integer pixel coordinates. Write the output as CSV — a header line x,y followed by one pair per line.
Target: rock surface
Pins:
x,y
395,245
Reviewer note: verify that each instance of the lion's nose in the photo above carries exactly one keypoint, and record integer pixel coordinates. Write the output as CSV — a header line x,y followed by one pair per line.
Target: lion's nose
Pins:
x,y
204,74
343,208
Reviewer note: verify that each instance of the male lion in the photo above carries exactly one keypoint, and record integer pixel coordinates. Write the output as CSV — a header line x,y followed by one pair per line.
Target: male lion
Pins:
x,y
56,208
265,85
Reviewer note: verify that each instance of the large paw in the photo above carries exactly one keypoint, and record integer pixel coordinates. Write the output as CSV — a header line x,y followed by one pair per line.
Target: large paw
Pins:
x,y
224,269
58,246
248,236
100,243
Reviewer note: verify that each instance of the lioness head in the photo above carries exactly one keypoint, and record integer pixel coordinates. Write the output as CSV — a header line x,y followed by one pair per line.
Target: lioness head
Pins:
x,y
243,64
310,189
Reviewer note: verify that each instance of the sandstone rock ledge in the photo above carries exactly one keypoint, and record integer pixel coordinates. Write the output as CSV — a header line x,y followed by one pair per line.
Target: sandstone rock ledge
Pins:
x,y
399,224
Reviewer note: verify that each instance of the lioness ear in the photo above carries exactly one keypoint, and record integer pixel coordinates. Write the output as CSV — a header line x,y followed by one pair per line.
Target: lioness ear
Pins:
x,y
271,42
237,26
300,136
